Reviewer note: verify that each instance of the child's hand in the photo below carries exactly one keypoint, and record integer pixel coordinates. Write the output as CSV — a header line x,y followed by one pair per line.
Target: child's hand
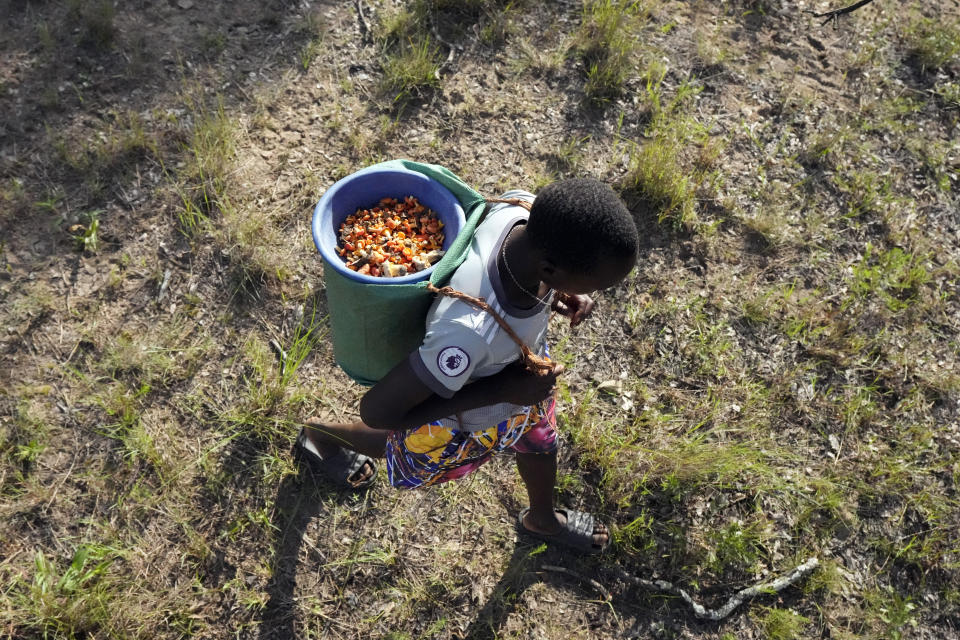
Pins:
x,y
519,386
575,307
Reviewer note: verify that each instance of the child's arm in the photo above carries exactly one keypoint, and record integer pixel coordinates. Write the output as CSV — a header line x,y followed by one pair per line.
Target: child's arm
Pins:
x,y
402,401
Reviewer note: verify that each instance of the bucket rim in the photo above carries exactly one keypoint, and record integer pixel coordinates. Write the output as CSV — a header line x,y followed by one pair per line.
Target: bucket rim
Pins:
x,y
333,260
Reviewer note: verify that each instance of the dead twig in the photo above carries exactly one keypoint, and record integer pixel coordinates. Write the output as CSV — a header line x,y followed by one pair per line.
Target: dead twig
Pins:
x,y
451,47
281,355
735,600
163,285
834,15
593,583
63,479
365,33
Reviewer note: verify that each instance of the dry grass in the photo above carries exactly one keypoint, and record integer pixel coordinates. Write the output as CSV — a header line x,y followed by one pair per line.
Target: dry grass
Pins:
x,y
779,378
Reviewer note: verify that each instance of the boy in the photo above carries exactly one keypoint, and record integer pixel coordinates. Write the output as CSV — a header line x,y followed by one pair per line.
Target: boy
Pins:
x,y
462,396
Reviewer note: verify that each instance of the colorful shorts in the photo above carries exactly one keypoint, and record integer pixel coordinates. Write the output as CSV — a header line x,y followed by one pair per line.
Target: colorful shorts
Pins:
x,y
433,453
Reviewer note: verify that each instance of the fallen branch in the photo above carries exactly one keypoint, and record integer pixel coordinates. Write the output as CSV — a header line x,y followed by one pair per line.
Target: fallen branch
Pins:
x,y
281,355
736,600
163,286
449,46
365,34
836,13
593,583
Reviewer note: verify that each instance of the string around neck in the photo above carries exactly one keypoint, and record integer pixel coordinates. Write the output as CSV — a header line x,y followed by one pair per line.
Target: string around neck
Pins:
x,y
503,254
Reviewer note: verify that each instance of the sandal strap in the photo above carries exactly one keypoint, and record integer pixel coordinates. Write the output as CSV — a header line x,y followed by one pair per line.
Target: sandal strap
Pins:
x,y
577,532
340,467
344,464
353,461
579,529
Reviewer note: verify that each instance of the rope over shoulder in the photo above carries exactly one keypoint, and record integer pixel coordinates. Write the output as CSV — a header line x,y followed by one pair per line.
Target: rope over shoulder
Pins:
x,y
517,202
534,363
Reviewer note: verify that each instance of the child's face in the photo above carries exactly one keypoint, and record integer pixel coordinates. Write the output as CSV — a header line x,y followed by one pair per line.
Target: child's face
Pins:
x,y
606,274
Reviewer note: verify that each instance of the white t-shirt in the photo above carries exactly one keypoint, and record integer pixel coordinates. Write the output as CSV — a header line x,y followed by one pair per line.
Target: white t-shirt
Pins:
x,y
464,343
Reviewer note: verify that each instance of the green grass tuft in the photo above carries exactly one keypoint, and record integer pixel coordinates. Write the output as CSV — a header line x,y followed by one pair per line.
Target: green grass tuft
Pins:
x,y
607,45
895,277
932,44
411,68
782,624
95,18
203,176
66,601
86,232
668,169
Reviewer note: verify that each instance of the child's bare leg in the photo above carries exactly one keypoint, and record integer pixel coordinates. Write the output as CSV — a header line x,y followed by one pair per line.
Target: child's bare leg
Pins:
x,y
328,437
539,474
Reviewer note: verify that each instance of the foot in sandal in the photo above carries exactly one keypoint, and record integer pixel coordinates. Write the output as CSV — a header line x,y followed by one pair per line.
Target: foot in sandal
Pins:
x,y
573,529
346,468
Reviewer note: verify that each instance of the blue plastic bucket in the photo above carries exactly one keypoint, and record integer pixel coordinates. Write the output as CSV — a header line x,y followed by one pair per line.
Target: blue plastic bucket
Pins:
x,y
364,189
376,322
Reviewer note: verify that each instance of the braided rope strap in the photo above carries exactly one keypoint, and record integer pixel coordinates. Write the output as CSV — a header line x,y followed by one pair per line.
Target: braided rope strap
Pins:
x,y
517,202
534,363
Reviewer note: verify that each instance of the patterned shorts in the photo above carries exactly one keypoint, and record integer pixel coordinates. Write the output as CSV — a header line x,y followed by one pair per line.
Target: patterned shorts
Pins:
x,y
433,453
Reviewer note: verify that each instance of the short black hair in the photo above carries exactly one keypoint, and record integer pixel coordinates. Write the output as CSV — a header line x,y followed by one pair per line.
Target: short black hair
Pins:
x,y
579,221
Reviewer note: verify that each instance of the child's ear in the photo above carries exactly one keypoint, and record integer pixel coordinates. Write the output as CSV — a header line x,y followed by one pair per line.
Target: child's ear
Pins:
x,y
547,268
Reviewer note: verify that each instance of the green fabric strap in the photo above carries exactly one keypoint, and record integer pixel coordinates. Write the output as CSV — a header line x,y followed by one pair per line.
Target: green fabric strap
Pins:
x,y
473,207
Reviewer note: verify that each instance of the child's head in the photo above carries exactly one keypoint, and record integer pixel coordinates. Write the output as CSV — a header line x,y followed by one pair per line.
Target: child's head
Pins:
x,y
585,235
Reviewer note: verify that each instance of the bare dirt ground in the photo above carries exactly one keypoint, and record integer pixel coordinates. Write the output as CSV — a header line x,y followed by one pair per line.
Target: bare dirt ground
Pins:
x,y
778,380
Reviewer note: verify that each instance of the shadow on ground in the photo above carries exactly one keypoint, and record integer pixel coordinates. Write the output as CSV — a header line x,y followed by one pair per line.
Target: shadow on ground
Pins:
x,y
296,504
517,578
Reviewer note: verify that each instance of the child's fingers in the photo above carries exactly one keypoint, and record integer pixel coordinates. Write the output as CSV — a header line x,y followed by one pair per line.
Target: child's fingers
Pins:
x,y
582,312
577,308
557,370
561,308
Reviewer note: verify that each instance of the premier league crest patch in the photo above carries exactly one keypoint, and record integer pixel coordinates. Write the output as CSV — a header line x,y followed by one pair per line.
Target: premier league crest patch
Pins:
x,y
453,361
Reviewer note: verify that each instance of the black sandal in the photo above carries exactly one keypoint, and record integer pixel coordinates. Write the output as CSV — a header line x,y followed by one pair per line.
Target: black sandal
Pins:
x,y
339,468
577,531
